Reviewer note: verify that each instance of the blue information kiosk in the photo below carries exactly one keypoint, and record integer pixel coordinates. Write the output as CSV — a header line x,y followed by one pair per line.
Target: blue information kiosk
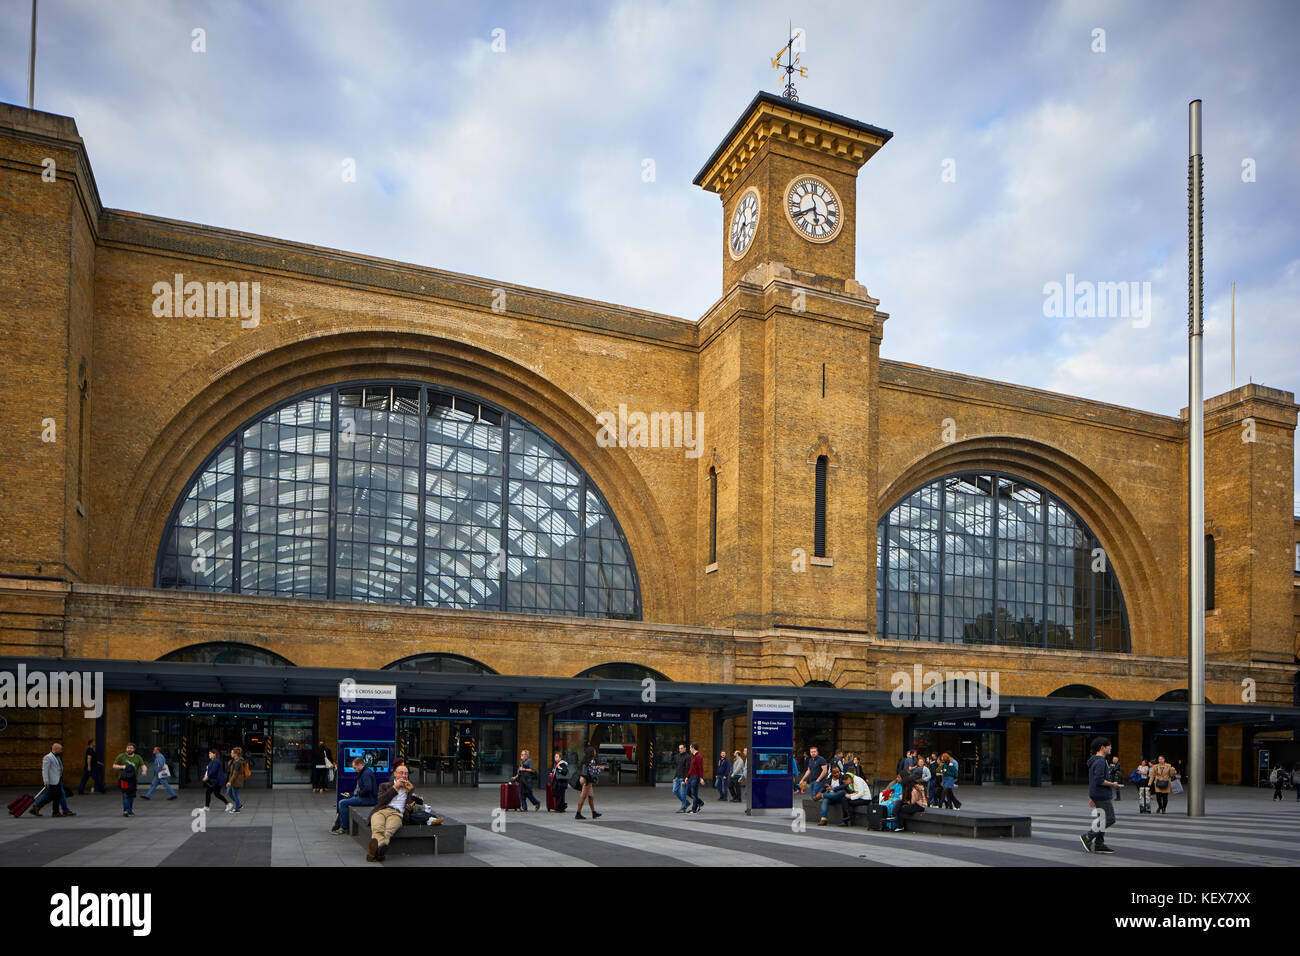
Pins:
x,y
367,729
771,756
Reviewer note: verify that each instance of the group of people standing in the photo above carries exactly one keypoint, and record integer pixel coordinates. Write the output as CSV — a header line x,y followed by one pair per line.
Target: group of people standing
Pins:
x,y
219,779
1159,777
936,775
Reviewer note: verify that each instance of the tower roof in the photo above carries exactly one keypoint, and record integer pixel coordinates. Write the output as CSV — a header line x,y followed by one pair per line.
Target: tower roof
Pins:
x,y
769,115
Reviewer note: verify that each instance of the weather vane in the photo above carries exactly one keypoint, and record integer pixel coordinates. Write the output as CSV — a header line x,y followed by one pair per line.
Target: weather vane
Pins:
x,y
791,66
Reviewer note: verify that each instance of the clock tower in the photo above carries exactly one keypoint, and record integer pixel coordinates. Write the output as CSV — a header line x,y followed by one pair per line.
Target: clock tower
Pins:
x,y
787,177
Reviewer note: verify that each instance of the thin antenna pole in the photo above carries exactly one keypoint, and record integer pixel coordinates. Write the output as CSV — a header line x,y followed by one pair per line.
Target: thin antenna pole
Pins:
x,y
1233,360
1196,476
31,64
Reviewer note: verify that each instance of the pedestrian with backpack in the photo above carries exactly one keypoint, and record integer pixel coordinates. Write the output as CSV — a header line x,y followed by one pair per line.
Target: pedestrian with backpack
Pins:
x,y
949,782
1279,778
129,765
240,771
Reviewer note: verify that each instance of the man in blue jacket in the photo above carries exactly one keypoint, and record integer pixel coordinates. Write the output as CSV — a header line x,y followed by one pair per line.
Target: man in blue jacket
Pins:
x,y
1101,790
364,794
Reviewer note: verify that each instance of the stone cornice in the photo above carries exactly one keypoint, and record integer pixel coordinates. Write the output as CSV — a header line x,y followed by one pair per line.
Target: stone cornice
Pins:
x,y
770,118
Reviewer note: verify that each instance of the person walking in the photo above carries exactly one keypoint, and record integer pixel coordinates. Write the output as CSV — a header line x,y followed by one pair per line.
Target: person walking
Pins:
x,y
737,782
1279,778
52,778
322,759
129,765
1116,773
694,774
1162,775
587,778
235,781
681,771
161,773
1100,788
524,777
214,780
720,775
92,771
560,783
948,782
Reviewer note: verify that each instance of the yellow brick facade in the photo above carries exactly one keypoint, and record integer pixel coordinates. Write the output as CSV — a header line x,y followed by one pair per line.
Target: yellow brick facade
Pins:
x,y
785,367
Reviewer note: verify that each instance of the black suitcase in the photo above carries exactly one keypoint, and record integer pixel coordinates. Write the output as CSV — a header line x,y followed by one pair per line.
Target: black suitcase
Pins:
x,y
875,817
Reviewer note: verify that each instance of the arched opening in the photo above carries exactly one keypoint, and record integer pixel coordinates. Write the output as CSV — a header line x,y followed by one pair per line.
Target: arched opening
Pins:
x,y
439,664
1079,692
985,557
399,493
621,670
227,652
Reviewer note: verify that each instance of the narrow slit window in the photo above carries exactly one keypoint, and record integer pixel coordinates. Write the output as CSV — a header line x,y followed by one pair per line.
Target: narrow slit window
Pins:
x,y
819,521
713,516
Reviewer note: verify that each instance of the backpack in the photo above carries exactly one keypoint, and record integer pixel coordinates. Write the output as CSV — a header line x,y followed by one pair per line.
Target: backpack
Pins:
x,y
1135,777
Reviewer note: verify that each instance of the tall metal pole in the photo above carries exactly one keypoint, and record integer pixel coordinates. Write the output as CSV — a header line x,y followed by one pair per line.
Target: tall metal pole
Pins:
x,y
31,64
1232,361
1196,479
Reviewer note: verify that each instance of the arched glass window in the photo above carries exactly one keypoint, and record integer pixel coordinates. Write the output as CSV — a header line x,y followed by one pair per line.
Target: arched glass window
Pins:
x,y
1078,692
399,493
622,671
988,558
440,664
226,652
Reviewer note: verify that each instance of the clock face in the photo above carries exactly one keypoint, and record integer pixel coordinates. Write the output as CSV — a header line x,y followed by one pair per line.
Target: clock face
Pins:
x,y
744,223
813,208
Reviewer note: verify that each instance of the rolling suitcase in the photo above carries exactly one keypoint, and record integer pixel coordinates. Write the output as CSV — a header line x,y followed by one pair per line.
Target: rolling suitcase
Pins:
x,y
875,816
509,796
21,804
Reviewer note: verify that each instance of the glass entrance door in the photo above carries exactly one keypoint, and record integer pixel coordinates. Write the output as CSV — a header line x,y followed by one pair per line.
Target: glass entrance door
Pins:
x,y
290,747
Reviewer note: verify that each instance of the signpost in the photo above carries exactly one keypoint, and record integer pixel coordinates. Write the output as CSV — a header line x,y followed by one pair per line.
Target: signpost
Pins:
x,y
771,756
367,729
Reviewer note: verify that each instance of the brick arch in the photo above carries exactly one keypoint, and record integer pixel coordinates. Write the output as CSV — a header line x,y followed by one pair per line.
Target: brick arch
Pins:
x,y
1150,610
242,380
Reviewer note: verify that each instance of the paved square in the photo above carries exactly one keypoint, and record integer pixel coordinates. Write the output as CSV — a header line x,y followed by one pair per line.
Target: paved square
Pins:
x,y
639,826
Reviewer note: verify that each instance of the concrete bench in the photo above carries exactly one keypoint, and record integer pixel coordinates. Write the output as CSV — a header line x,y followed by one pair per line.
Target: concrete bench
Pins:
x,y
446,837
968,823
812,812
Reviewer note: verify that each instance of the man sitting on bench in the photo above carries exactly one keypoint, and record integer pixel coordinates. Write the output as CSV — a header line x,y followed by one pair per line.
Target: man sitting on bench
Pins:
x,y
396,802
834,793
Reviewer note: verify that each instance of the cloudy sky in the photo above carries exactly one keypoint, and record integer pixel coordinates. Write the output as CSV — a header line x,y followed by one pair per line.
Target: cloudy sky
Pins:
x,y
1066,152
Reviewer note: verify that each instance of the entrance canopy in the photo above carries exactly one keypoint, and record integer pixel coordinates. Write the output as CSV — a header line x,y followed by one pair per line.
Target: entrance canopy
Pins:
x,y
557,694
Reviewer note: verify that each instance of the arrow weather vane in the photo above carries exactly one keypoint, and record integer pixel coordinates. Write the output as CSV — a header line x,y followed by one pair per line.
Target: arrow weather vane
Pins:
x,y
791,66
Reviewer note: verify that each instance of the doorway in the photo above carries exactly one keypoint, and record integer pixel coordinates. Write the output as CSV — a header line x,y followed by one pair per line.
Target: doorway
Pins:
x,y
278,748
